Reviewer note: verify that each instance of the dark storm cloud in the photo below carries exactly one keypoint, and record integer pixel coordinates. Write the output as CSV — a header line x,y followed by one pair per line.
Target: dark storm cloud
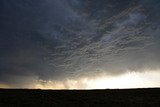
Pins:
x,y
58,39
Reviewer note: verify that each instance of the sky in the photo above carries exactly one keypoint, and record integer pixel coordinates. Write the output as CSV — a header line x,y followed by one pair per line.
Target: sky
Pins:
x,y
79,44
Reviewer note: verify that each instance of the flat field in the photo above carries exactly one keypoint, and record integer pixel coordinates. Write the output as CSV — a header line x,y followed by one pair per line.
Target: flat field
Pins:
x,y
80,98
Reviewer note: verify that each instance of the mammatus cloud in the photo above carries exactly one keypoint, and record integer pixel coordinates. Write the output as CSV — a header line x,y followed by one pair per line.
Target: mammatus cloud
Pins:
x,y
50,42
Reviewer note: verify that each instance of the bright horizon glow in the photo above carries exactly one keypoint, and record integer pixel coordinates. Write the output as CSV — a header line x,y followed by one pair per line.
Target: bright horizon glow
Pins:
x,y
4,85
130,79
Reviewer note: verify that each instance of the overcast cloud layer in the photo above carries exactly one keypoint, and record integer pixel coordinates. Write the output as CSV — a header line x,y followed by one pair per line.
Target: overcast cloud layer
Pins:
x,y
61,39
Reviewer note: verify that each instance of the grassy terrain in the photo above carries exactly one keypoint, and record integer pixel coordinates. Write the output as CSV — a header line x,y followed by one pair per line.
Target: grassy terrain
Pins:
x,y
83,98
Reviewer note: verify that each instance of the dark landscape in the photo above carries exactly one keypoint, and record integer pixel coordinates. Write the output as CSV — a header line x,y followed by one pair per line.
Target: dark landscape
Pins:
x,y
84,98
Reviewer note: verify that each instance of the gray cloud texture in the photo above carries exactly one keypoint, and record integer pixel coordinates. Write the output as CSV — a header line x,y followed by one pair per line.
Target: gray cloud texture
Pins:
x,y
60,39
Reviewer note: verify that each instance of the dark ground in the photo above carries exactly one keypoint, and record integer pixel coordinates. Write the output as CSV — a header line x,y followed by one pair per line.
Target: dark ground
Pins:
x,y
83,98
